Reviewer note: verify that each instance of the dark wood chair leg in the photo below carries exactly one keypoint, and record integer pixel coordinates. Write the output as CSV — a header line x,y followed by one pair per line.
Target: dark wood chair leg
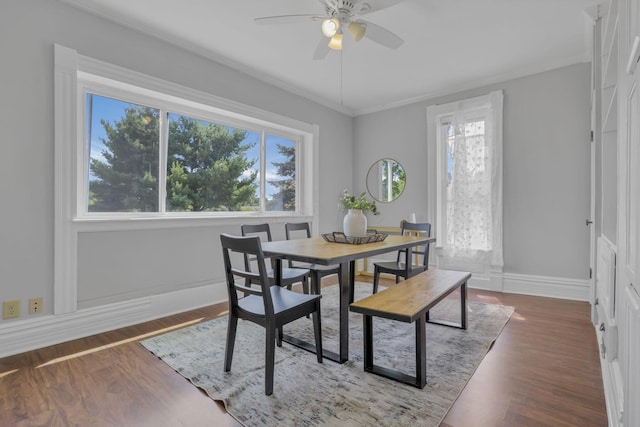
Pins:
x,y
269,359
317,331
315,282
376,278
232,326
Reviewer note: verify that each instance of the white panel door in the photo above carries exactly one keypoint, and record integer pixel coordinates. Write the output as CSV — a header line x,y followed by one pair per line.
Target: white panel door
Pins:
x,y
632,340
629,218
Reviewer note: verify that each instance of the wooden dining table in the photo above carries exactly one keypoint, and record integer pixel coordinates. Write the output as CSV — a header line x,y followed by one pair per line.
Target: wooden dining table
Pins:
x,y
316,250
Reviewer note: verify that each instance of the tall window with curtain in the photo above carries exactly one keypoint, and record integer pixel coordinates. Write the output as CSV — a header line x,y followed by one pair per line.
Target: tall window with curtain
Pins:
x,y
465,137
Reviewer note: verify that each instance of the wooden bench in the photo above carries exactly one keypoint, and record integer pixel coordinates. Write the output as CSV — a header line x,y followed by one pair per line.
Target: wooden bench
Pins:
x,y
410,301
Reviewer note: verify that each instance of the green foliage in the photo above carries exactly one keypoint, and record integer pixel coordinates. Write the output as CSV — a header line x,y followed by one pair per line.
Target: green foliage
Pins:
x,y
205,166
347,201
128,176
398,179
285,198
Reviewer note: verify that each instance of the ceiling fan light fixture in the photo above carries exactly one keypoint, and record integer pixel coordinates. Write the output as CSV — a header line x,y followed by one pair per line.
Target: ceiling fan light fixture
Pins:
x,y
336,42
357,30
330,27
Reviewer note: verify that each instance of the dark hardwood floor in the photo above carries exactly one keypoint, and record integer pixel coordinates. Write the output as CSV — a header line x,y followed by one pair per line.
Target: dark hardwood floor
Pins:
x,y
543,370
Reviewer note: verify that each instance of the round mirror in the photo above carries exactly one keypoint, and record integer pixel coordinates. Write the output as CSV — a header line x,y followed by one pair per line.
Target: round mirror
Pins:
x,y
385,180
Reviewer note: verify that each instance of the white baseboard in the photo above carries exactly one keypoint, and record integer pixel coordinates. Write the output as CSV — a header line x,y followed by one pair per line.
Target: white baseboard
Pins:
x,y
525,284
544,286
18,337
21,336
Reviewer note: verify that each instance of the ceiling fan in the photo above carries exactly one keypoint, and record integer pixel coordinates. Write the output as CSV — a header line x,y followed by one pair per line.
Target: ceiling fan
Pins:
x,y
340,16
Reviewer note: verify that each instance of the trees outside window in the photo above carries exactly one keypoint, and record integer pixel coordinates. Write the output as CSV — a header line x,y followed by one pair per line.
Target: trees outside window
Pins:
x,y
206,166
124,167
392,173
146,159
283,181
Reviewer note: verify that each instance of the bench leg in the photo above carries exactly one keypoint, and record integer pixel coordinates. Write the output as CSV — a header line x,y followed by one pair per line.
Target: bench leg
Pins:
x,y
421,351
367,336
420,380
463,312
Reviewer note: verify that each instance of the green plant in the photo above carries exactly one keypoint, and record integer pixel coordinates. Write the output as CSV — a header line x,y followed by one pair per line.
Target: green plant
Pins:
x,y
347,201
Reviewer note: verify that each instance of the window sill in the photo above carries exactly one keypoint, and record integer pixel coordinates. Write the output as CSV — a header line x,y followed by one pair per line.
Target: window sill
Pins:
x,y
164,221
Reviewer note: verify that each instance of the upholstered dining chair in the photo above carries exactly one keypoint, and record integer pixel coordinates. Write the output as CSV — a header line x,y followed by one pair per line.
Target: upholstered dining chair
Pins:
x,y
404,267
296,230
289,275
268,306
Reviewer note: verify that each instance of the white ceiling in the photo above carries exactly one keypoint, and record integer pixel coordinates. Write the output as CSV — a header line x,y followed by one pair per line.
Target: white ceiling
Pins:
x,y
449,45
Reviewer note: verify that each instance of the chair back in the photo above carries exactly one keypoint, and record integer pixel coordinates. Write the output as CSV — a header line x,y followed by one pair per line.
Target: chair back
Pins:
x,y
248,246
260,230
263,230
296,230
422,251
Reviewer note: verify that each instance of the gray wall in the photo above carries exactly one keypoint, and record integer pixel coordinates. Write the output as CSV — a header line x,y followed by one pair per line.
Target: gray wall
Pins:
x,y
115,266
546,167
546,162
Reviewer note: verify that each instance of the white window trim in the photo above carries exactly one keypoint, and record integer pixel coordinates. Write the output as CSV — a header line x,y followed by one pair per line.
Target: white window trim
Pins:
x,y
156,94
69,152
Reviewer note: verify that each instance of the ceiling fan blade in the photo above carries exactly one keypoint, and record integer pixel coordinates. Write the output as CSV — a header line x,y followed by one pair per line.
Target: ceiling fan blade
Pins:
x,y
322,49
288,19
381,35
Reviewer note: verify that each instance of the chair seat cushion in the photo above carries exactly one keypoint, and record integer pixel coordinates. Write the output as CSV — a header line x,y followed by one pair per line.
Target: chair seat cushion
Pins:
x,y
283,300
290,273
318,267
391,265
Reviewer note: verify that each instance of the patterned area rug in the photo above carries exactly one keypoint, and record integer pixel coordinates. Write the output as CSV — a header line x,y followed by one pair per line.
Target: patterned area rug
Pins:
x,y
307,393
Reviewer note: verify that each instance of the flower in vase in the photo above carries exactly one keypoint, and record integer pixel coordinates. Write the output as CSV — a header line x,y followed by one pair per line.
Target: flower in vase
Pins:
x,y
347,201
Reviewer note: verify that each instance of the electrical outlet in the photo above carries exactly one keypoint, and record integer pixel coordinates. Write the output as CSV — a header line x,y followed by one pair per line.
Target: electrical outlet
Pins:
x,y
35,305
11,309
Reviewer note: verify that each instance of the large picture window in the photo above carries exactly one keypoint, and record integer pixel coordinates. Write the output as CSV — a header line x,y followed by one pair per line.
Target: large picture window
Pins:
x,y
147,154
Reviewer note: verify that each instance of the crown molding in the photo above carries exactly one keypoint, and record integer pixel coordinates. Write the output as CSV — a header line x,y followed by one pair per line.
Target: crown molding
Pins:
x,y
138,26
133,24
475,84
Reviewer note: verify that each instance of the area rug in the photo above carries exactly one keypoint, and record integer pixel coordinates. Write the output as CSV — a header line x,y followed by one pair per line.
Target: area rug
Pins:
x,y
307,393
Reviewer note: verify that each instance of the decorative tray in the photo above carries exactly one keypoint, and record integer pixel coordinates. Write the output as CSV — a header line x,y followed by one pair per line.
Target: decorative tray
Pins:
x,y
339,237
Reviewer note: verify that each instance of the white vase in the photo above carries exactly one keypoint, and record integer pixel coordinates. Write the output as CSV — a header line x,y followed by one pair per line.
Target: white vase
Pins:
x,y
355,223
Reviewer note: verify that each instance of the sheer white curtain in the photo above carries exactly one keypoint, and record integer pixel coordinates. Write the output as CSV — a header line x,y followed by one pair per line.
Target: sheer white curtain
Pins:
x,y
468,198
